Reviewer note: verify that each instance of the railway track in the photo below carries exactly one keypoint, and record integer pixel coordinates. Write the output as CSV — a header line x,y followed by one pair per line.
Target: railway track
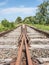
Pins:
x,y
9,45
39,45
24,46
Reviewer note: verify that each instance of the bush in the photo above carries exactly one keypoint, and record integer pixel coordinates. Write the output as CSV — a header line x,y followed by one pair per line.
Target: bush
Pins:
x,y
5,23
12,25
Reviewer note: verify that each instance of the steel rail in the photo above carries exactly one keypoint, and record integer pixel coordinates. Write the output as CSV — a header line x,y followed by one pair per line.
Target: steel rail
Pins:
x,y
39,30
28,54
8,31
29,61
23,42
28,57
18,61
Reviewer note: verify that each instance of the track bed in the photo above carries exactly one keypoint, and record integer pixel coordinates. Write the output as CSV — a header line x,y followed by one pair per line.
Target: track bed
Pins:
x,y
9,45
39,45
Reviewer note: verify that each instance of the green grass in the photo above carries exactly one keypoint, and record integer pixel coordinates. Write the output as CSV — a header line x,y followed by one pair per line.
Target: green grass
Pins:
x,y
2,28
39,26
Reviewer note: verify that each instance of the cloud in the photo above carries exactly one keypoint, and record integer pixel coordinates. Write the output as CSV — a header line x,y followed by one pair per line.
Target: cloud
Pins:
x,y
12,13
23,10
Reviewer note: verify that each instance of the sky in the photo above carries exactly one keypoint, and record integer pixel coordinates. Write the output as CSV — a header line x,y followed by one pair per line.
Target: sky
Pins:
x,y
11,9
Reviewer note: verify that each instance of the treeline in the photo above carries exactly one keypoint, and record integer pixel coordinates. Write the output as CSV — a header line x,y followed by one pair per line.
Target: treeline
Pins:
x,y
41,17
6,25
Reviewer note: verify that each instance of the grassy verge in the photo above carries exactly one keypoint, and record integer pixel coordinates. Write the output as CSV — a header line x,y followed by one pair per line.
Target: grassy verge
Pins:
x,y
2,28
39,26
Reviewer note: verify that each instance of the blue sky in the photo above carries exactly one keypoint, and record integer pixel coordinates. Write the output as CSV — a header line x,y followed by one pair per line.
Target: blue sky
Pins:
x,y
11,9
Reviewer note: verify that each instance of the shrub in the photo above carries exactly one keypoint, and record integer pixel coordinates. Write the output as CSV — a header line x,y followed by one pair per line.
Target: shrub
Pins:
x,y
5,23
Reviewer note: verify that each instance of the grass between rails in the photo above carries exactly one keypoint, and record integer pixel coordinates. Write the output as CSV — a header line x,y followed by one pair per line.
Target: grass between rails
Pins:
x,y
39,26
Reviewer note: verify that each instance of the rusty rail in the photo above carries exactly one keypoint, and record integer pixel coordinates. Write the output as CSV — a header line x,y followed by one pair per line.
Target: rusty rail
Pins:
x,y
18,61
28,55
39,30
25,43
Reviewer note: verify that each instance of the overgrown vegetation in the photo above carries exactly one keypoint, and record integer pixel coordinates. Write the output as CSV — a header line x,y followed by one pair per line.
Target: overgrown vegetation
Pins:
x,y
40,20
18,20
6,25
42,15
40,26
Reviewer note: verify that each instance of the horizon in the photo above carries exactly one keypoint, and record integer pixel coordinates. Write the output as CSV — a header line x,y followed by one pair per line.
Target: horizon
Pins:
x,y
10,10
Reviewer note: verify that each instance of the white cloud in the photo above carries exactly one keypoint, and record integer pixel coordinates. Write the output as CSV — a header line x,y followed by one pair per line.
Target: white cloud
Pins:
x,y
12,13
23,10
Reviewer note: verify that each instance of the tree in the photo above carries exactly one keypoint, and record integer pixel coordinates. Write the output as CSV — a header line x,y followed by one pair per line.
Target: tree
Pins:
x,y
18,20
41,15
30,20
5,23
